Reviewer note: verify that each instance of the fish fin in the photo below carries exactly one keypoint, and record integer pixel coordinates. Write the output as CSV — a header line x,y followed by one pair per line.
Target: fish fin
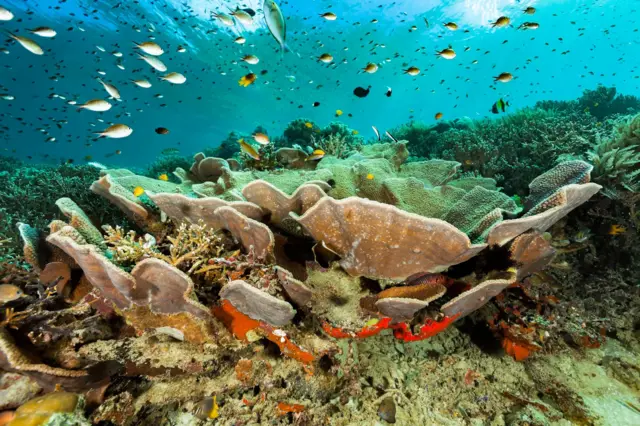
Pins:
x,y
285,47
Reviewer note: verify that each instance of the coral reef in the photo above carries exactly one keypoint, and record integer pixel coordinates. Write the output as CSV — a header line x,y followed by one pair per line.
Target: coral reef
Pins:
x,y
286,291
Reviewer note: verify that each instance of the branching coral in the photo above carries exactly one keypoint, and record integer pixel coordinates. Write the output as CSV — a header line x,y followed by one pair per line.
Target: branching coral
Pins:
x,y
333,144
192,245
616,160
127,248
28,195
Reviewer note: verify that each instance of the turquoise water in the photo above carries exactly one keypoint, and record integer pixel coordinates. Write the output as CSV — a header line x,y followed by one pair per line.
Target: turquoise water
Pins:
x,y
578,45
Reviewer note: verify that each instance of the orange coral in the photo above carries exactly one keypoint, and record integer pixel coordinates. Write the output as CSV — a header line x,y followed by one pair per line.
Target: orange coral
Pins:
x,y
401,331
284,408
240,324
244,370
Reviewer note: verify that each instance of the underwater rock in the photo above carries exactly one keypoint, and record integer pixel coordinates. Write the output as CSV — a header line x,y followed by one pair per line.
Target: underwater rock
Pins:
x,y
257,304
296,290
15,390
380,241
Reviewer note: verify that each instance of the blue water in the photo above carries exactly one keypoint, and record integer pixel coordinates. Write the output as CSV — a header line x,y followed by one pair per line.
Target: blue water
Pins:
x,y
579,44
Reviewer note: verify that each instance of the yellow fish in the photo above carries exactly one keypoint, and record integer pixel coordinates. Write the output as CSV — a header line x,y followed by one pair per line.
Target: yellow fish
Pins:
x,y
338,112
138,191
247,80
207,409
316,155
9,292
354,132
163,177
617,230
502,21
308,125
249,150
370,176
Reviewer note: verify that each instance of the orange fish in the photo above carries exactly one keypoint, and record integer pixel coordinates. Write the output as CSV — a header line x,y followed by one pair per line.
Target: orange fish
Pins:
x,y
438,115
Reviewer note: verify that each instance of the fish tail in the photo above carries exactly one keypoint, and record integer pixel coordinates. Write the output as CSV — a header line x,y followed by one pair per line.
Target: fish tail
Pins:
x,y
285,47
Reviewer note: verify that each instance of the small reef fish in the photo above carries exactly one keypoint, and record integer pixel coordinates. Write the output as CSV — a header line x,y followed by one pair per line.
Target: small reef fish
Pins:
x,y
163,177
224,18
138,191
338,112
142,83
438,115
261,138
326,58
251,59
5,14
308,125
207,409
7,97
529,26
376,132
529,10
390,136
361,92
150,48
451,26
500,105
174,78
447,53
370,176
329,16
96,105
181,49
162,131
247,79
117,131
249,150
240,40
45,32
617,230
275,22
242,16
9,292
28,44
169,151
110,88
502,21
155,63
504,77
389,92
412,71
317,154
371,68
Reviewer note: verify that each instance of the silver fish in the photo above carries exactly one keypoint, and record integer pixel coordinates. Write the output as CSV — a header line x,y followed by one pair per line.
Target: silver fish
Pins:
x,y
275,22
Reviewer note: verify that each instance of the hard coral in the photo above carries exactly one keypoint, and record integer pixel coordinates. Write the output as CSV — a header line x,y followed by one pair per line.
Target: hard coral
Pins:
x,y
616,160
